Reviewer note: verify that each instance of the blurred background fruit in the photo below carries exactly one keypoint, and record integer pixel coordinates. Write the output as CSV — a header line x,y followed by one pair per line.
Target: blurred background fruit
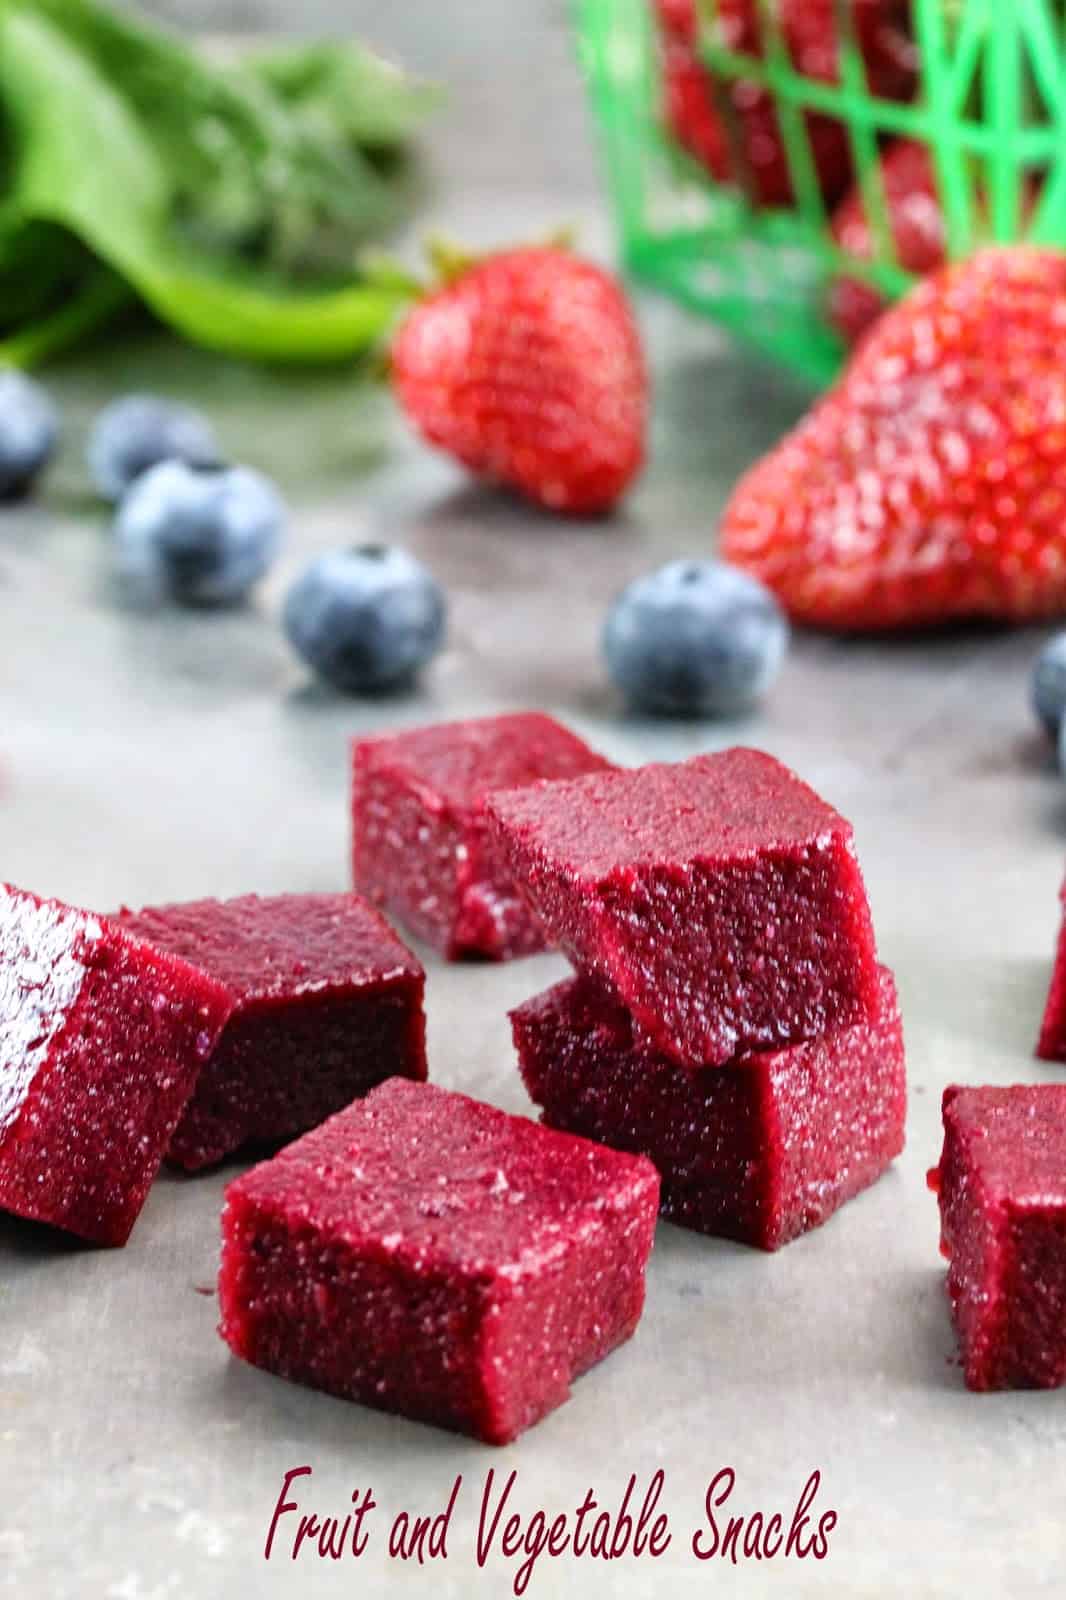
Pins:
x,y
366,619
28,431
695,638
138,431
527,367
198,535
732,124
916,217
926,487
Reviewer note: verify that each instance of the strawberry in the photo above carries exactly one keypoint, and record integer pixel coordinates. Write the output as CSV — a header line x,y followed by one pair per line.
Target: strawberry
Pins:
x,y
928,486
677,18
690,113
811,33
912,201
528,368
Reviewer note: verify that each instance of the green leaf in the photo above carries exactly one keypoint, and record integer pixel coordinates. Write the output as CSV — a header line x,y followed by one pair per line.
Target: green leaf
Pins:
x,y
39,265
350,87
249,169
82,161
89,307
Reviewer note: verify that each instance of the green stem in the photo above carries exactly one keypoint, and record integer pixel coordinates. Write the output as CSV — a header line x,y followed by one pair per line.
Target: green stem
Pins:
x,y
89,308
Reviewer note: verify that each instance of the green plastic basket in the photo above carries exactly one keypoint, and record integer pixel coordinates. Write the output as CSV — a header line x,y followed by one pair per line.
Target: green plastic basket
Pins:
x,y
991,107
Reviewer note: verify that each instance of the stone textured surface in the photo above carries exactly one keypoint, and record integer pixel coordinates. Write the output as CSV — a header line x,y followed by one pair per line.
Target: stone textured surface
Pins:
x,y
151,760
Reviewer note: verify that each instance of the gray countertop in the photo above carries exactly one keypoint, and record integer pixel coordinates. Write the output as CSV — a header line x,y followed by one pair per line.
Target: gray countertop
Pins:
x,y
145,759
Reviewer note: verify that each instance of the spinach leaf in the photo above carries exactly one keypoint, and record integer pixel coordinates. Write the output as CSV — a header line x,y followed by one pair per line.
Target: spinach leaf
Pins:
x,y
350,88
233,208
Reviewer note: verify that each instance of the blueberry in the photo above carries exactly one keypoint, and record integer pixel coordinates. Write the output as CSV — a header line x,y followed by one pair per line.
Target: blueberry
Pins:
x,y
1047,686
28,432
695,637
366,619
140,430
201,535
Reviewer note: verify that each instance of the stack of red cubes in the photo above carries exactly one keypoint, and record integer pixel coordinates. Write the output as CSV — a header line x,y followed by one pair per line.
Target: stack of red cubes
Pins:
x,y
728,1016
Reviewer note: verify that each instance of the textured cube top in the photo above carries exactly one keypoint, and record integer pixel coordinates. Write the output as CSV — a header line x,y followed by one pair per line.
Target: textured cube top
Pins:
x,y
281,947
725,806
719,899
1016,1140
433,1179
454,764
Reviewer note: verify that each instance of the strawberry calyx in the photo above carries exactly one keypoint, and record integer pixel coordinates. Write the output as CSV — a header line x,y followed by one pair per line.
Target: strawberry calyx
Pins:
x,y
448,261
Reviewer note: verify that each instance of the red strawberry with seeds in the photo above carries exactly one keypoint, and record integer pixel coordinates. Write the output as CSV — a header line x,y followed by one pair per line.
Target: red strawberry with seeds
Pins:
x,y
930,485
812,36
912,200
690,113
528,368
678,17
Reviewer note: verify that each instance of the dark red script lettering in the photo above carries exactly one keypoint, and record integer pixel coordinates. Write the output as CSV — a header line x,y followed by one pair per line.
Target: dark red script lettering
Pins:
x,y
424,1538
329,1537
756,1537
604,1535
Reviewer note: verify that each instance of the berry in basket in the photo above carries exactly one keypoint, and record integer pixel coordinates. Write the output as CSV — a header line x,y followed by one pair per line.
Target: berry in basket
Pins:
x,y
732,127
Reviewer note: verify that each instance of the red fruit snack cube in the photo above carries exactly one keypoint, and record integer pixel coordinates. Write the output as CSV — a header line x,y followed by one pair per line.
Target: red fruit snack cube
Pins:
x,y
1001,1183
719,900
430,1255
420,842
1051,1045
761,1152
102,1037
327,1002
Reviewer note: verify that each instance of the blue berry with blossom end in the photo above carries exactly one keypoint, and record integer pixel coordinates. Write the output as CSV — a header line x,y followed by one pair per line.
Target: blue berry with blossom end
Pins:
x,y
1047,686
695,638
200,536
366,619
137,432
28,432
